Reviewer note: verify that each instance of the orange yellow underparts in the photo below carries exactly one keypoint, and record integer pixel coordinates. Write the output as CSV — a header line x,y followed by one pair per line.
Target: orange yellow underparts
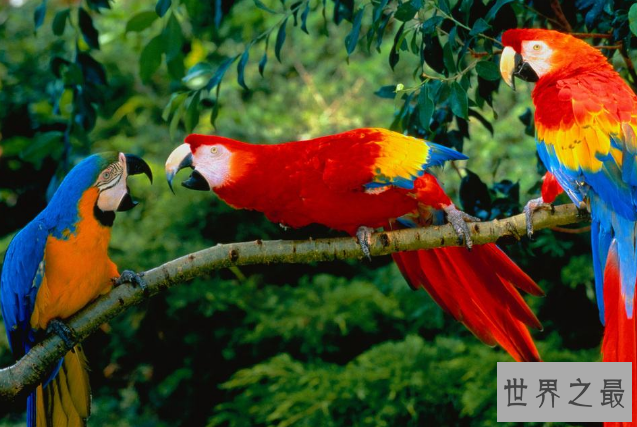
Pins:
x,y
77,268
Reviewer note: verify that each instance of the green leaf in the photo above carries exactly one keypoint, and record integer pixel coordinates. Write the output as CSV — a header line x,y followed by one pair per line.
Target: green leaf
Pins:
x,y
458,100
88,30
260,5
215,108
38,14
632,18
280,39
59,21
488,70
216,78
352,37
394,57
173,38
304,15
174,122
448,59
202,69
480,26
407,11
175,66
162,7
150,59
176,100
425,107
241,65
264,58
494,10
387,92
141,21
444,6
192,112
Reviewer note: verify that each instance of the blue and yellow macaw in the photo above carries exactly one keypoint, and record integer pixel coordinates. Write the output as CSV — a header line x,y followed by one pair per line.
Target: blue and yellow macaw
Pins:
x,y
56,265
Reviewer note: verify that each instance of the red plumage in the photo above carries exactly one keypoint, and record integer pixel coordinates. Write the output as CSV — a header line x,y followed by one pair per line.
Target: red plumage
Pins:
x,y
326,181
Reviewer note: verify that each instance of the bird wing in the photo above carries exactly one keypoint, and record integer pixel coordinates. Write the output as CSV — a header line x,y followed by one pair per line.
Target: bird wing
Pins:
x,y
22,274
369,159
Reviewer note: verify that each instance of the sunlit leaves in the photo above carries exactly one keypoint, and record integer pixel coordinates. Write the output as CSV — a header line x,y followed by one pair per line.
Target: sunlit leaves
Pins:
x,y
632,19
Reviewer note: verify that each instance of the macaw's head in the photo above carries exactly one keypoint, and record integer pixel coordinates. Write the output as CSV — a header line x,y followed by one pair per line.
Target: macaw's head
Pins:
x,y
215,161
531,54
104,175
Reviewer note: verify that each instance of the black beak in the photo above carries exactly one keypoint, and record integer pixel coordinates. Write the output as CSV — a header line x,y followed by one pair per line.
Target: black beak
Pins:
x,y
127,203
136,165
196,182
523,70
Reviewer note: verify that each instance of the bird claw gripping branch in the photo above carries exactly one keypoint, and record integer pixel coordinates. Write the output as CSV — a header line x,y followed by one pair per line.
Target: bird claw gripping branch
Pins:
x,y
131,277
458,220
364,236
61,329
531,207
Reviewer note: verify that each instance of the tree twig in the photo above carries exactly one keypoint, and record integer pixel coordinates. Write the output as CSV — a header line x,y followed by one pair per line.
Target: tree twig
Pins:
x,y
22,377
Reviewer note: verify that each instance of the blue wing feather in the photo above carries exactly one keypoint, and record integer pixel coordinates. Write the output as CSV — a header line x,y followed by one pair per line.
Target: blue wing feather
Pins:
x,y
22,273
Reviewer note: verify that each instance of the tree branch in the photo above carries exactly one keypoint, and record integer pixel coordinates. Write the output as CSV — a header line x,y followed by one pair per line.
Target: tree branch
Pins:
x,y
22,377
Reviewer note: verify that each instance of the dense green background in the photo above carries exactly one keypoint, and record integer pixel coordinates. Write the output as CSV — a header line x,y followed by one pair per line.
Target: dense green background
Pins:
x,y
344,343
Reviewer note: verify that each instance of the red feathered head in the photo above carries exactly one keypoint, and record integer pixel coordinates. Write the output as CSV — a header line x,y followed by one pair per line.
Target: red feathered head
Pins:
x,y
531,54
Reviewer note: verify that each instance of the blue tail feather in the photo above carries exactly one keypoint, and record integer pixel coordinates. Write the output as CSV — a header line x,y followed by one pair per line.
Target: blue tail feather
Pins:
x,y
438,154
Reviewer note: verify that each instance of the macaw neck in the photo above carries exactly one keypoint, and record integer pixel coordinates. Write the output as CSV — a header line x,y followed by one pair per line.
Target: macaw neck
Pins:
x,y
257,173
64,218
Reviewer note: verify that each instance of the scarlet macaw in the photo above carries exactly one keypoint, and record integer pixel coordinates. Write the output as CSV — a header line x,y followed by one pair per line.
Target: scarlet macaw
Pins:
x,y
56,265
365,179
586,119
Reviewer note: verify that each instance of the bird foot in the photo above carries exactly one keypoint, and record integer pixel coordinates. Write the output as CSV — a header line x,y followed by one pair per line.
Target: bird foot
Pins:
x,y
364,236
63,331
131,277
530,208
458,221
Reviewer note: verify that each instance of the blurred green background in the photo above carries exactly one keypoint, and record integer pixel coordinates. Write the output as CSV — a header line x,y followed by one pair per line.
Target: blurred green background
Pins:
x,y
332,344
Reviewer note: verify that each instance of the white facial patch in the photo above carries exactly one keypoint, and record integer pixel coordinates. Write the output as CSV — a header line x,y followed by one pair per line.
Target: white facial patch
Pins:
x,y
112,185
213,163
538,55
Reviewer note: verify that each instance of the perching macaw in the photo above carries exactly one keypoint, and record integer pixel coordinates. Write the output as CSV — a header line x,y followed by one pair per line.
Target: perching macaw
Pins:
x,y
585,120
55,266
361,180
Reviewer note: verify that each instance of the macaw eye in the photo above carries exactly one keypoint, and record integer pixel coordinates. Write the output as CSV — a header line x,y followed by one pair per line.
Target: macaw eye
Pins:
x,y
106,175
214,150
537,46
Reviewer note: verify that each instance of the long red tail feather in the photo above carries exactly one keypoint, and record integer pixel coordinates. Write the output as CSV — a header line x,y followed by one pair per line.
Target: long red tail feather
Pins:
x,y
477,288
619,334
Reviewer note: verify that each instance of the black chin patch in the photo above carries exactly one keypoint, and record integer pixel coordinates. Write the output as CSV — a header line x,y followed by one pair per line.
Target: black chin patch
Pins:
x,y
104,218
525,72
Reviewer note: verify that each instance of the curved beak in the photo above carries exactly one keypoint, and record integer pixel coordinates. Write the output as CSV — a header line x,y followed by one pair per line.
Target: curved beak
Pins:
x,y
136,165
509,61
513,65
179,159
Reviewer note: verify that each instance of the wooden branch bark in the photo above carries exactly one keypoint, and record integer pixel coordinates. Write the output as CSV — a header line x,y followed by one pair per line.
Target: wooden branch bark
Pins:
x,y
22,377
